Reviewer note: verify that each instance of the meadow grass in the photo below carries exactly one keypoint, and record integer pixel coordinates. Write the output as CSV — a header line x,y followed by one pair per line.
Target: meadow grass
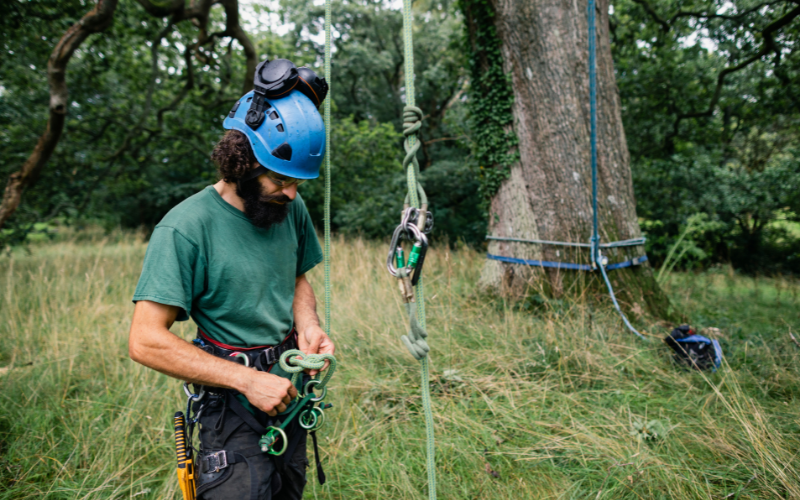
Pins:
x,y
532,400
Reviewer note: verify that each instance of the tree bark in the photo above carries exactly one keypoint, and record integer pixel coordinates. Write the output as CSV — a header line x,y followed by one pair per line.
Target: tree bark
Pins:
x,y
548,193
96,20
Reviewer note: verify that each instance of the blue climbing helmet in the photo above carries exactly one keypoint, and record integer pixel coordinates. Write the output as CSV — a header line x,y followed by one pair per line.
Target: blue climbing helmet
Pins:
x,y
281,121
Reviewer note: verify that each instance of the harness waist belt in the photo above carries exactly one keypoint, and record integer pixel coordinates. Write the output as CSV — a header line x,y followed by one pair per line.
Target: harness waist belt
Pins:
x,y
261,357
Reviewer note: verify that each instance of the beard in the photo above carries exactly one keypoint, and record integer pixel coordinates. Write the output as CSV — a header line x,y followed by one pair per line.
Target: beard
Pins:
x,y
263,210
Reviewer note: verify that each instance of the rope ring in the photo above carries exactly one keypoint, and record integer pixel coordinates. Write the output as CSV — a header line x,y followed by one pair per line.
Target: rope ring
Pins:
x,y
308,419
315,382
320,417
268,447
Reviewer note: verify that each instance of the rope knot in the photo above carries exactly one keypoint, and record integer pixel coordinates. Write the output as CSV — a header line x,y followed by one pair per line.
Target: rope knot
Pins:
x,y
295,361
415,340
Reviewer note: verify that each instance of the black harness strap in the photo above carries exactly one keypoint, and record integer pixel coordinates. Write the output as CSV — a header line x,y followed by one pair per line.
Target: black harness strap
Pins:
x,y
231,457
320,472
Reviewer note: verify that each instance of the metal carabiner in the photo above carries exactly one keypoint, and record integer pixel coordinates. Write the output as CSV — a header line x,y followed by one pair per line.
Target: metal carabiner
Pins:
x,y
194,397
409,230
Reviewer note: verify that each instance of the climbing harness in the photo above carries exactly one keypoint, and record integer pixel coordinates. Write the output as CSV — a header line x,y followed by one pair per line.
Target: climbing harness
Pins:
x,y
307,412
416,222
598,260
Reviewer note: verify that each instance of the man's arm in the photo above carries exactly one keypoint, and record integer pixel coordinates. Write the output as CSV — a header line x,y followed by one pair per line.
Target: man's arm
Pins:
x,y
311,339
152,344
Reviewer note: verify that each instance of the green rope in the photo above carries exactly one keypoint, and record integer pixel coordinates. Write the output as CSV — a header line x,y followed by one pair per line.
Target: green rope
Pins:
x,y
295,361
327,255
412,117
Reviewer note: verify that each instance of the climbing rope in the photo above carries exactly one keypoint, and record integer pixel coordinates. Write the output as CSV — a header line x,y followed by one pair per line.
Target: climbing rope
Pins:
x,y
416,222
327,209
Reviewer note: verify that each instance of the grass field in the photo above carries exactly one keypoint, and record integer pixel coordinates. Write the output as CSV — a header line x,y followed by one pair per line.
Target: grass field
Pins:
x,y
559,402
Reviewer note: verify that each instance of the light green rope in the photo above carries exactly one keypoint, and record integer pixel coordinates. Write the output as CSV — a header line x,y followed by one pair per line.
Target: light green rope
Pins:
x,y
411,124
295,361
327,256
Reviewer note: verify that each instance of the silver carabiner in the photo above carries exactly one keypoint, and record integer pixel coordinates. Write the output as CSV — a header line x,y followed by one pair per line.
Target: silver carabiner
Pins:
x,y
194,397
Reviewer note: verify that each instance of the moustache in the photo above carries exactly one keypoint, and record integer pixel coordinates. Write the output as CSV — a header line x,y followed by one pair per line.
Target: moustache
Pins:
x,y
274,198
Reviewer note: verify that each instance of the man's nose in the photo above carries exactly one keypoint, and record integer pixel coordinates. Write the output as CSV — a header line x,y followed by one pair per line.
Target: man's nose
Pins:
x,y
290,191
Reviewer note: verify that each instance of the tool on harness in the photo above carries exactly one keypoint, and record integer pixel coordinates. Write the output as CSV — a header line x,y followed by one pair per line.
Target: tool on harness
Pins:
x,y
308,415
693,350
186,479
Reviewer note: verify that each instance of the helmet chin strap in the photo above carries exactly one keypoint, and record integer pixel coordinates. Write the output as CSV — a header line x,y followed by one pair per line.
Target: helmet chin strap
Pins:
x,y
261,169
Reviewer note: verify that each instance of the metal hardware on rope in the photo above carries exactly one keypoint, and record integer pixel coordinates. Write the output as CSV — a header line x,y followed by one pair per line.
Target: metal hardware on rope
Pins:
x,y
309,415
416,258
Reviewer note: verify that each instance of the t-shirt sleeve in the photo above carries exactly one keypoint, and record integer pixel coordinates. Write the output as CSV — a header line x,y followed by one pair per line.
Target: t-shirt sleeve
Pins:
x,y
173,271
309,253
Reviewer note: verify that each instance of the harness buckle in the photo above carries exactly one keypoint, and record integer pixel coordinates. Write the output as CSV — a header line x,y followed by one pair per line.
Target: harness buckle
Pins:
x,y
216,461
269,356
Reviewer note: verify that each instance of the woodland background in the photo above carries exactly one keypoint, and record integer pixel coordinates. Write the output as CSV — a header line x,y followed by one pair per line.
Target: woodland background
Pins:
x,y
725,182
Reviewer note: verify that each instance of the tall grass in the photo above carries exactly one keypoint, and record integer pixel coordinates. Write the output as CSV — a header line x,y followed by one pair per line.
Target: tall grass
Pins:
x,y
550,401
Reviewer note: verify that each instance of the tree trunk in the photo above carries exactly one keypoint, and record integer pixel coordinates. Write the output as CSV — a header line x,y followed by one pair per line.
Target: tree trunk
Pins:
x,y
547,195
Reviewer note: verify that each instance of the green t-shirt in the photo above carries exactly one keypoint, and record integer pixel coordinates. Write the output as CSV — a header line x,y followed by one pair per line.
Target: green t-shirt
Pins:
x,y
234,279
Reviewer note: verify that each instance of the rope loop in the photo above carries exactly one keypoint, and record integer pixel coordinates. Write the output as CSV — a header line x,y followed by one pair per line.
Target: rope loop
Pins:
x,y
295,361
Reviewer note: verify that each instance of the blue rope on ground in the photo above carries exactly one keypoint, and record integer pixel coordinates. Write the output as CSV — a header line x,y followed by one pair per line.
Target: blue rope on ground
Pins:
x,y
566,265
616,305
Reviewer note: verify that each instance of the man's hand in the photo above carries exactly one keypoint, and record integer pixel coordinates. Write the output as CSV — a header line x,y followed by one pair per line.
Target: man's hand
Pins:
x,y
313,340
268,392
153,345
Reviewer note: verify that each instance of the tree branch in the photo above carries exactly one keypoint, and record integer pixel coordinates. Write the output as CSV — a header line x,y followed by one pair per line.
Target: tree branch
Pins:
x,y
766,47
96,20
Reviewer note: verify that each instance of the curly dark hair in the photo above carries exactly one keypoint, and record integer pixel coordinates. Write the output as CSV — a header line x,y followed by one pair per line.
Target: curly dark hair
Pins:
x,y
233,155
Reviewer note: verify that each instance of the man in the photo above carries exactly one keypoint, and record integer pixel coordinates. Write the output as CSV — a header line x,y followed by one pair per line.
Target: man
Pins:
x,y
234,258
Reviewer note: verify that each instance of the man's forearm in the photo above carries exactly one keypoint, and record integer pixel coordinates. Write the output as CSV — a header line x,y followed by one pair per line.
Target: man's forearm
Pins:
x,y
153,345
173,356
304,305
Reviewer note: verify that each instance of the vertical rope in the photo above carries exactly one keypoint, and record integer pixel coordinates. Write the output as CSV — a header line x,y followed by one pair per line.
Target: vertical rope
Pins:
x,y
411,176
597,257
593,133
327,256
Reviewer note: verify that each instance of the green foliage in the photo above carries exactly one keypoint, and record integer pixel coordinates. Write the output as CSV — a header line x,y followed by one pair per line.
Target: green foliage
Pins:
x,y
490,99
737,163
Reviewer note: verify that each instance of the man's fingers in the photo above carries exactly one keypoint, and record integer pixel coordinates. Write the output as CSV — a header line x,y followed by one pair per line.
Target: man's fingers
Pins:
x,y
287,399
281,407
272,413
292,392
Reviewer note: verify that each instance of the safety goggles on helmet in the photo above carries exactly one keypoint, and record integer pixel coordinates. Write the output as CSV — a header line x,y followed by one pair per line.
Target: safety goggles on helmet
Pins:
x,y
276,79
280,180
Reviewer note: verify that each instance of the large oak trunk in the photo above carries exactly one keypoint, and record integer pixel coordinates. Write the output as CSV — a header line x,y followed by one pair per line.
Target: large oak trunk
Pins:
x,y
548,195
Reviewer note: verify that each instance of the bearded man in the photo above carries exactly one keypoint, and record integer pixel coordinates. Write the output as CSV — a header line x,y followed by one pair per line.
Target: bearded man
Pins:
x,y
234,258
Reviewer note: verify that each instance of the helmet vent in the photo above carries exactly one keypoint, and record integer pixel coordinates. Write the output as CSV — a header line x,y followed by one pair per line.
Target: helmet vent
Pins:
x,y
283,152
273,116
280,127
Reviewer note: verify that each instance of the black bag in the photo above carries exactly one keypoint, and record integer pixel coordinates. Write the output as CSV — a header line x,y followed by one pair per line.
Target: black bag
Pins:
x,y
693,350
